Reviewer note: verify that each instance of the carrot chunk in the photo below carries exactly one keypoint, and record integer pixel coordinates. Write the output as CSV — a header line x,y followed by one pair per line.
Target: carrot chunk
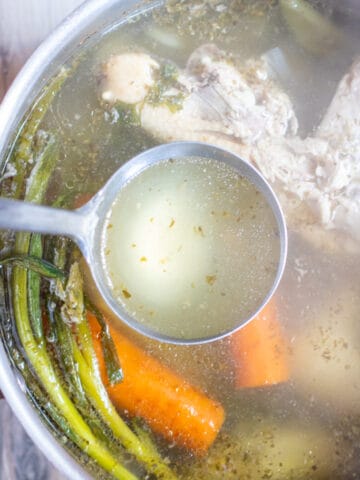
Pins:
x,y
259,351
168,403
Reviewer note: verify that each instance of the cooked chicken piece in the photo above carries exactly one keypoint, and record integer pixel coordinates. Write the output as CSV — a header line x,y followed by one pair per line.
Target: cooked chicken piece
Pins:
x,y
343,114
224,104
196,121
302,173
341,128
128,77
291,165
240,108
320,175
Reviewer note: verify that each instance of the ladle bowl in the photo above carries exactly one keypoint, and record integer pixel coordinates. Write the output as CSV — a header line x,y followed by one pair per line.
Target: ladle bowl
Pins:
x,y
85,225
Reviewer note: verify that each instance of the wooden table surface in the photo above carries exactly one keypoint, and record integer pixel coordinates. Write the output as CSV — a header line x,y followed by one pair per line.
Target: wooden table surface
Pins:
x,y
23,25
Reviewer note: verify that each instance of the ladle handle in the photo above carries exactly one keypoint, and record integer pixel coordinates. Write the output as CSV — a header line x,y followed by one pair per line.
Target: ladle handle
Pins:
x,y
29,217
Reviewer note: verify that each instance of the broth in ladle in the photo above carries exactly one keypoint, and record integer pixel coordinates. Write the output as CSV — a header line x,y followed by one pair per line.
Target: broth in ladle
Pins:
x,y
191,248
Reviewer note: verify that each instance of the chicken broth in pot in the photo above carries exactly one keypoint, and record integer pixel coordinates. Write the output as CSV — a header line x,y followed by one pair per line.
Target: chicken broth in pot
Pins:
x,y
277,83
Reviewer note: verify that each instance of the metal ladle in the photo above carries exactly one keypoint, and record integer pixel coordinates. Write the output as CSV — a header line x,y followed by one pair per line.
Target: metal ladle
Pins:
x,y
85,225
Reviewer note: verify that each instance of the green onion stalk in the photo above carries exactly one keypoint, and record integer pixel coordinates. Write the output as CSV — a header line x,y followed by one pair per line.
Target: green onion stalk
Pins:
x,y
64,355
23,152
112,364
67,369
74,314
34,347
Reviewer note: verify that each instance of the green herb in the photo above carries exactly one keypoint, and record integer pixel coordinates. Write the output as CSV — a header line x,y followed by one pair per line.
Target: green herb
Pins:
x,y
35,264
128,114
161,93
34,283
36,349
112,363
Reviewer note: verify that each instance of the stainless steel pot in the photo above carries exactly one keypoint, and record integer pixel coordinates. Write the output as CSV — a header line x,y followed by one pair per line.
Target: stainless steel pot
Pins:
x,y
81,27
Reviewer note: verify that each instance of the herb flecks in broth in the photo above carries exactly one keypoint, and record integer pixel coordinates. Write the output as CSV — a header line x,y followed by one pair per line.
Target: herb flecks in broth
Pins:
x,y
308,426
132,79
190,249
209,20
167,90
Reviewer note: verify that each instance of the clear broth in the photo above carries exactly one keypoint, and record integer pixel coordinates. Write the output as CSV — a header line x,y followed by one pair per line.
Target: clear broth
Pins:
x,y
190,248
308,428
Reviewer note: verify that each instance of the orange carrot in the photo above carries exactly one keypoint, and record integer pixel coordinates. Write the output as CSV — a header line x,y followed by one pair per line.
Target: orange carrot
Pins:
x,y
168,403
259,351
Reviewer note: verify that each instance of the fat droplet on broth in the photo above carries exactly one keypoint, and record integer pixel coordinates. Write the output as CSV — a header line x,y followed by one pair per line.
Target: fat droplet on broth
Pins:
x,y
193,244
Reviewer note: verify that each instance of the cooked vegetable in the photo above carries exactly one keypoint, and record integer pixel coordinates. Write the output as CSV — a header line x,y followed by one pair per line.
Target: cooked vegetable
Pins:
x,y
36,350
23,153
87,366
113,368
36,346
96,393
40,399
270,451
62,356
291,452
326,354
112,363
169,404
313,31
259,351
33,263
34,283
